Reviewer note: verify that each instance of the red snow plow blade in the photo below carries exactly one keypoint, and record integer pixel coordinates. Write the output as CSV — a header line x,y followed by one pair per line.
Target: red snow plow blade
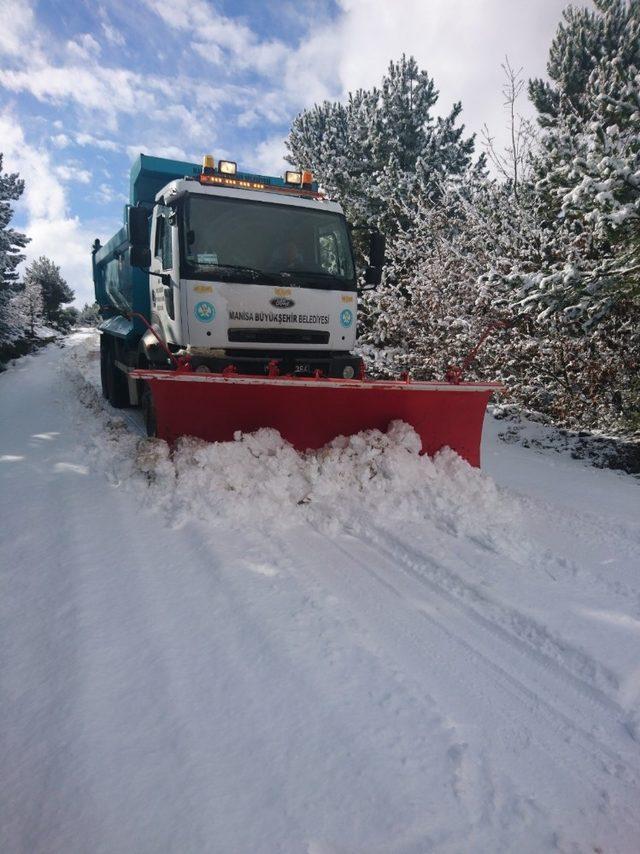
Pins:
x,y
310,412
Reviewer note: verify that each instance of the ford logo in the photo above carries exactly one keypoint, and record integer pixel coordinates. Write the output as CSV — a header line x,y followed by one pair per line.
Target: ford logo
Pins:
x,y
282,302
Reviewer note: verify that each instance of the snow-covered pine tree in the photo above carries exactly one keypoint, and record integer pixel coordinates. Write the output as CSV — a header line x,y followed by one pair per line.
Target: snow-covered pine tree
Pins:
x,y
580,281
55,290
11,242
89,315
583,39
588,168
370,152
30,304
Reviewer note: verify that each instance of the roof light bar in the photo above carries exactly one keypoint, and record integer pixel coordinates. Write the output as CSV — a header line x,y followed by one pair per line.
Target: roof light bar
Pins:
x,y
226,175
221,180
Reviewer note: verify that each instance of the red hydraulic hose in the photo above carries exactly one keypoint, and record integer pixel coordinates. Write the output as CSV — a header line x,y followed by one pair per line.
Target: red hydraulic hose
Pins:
x,y
455,373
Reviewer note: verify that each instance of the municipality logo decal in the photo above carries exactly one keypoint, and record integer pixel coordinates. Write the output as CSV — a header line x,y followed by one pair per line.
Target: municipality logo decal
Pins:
x,y
205,311
346,317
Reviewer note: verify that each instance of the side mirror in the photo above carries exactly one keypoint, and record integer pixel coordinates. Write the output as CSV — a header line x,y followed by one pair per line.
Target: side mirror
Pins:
x,y
140,256
372,276
373,273
376,249
138,231
138,226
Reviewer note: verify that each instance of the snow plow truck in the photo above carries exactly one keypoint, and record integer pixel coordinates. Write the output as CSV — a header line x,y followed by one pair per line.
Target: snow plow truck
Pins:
x,y
229,303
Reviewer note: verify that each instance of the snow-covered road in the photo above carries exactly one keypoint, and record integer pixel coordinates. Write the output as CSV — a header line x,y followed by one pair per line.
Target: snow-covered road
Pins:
x,y
238,649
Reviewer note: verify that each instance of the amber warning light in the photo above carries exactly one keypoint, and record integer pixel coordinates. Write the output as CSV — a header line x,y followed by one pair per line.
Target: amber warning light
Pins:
x,y
208,165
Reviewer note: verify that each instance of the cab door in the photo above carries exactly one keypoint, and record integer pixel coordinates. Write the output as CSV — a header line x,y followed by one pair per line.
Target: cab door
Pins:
x,y
164,284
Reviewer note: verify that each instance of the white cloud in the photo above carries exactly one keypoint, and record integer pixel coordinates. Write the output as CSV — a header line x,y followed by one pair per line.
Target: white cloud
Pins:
x,y
96,142
84,47
219,39
68,244
111,34
53,230
268,157
73,172
105,194
101,92
211,52
176,14
461,43
60,140
105,90
16,26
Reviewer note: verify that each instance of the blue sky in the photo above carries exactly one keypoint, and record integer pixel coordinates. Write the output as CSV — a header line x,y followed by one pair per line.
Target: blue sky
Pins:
x,y
85,86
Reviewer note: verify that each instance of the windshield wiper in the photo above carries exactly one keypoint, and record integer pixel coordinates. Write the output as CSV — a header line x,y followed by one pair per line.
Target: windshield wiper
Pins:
x,y
320,274
240,269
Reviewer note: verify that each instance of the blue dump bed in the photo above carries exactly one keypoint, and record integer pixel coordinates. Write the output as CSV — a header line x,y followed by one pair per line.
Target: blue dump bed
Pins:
x,y
120,288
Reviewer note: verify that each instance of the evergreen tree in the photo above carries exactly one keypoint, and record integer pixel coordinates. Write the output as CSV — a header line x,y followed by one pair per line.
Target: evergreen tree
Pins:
x,y
580,280
30,304
588,168
89,315
11,242
55,290
583,40
372,152
67,318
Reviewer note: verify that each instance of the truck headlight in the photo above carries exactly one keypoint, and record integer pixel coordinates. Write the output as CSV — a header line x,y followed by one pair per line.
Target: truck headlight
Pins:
x,y
348,373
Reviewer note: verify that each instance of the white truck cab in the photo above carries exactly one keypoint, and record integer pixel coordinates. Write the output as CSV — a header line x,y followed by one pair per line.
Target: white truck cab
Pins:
x,y
237,274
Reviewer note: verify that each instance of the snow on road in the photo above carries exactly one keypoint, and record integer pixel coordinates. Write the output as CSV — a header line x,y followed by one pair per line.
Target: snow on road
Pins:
x,y
241,649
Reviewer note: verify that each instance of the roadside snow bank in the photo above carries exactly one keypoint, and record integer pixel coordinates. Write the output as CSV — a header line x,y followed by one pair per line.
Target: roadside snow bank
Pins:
x,y
262,478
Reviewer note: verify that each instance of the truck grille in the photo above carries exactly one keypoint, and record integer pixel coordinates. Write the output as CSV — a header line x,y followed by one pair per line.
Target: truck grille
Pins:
x,y
279,336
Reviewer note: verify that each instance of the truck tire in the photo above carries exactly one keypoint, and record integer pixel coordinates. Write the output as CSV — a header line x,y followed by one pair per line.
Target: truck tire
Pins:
x,y
104,348
148,411
117,387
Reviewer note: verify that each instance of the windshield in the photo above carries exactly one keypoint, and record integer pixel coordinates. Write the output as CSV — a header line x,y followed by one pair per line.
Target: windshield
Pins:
x,y
247,241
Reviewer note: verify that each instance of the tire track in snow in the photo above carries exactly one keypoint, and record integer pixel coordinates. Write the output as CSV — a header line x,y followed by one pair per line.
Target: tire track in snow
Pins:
x,y
600,707
443,651
570,662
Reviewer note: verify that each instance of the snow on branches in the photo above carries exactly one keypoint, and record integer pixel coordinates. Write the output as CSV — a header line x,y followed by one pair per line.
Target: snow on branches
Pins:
x,y
550,244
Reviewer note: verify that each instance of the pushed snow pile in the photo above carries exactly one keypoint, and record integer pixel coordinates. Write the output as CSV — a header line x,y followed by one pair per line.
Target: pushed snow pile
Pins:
x,y
260,477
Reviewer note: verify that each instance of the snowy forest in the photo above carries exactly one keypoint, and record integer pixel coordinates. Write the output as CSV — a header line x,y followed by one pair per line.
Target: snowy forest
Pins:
x,y
33,307
542,238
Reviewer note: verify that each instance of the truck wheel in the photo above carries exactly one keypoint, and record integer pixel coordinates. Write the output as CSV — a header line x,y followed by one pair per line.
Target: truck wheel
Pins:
x,y
117,387
148,411
104,349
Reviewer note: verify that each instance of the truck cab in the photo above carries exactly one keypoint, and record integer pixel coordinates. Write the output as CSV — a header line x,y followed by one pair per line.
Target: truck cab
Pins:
x,y
232,270
244,271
